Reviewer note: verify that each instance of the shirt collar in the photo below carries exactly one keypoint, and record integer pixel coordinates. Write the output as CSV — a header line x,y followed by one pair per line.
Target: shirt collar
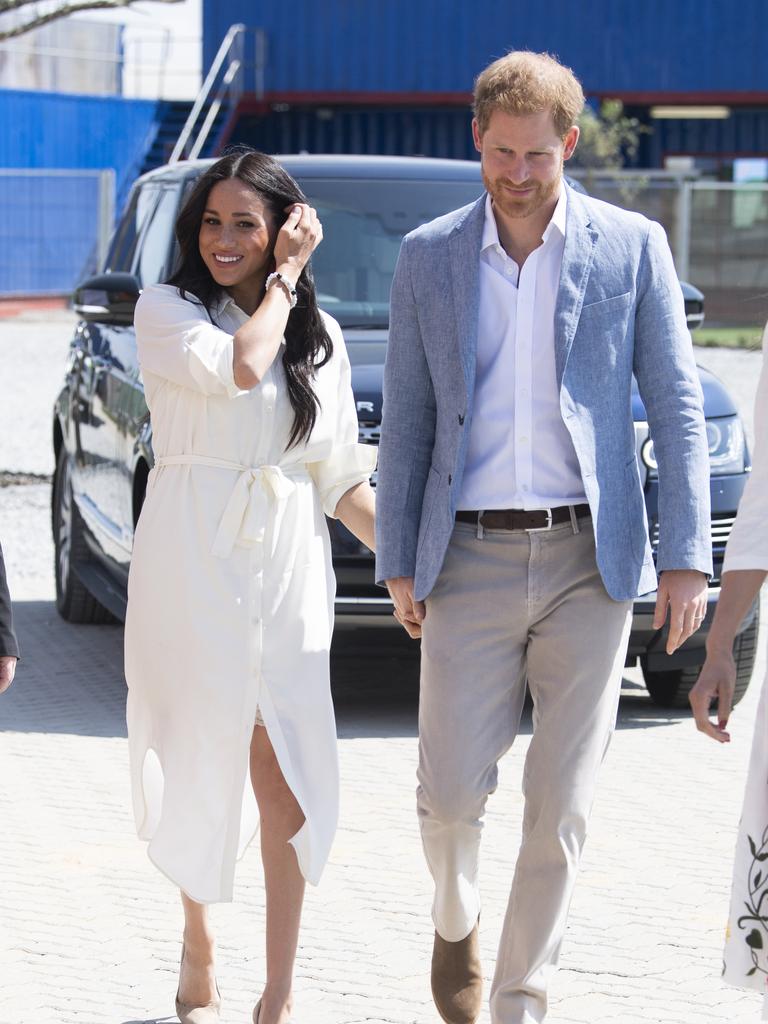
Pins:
x,y
558,221
490,238
224,302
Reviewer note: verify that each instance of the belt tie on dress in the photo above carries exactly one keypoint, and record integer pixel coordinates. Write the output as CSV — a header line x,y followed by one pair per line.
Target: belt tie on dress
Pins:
x,y
258,491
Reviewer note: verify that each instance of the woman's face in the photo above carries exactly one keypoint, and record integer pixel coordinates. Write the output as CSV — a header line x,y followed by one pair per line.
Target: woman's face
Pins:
x,y
237,236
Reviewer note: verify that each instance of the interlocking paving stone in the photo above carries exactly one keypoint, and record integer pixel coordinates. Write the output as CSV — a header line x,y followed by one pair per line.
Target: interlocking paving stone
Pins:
x,y
89,931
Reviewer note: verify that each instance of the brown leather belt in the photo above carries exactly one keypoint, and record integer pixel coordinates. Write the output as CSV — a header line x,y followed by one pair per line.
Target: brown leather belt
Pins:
x,y
519,519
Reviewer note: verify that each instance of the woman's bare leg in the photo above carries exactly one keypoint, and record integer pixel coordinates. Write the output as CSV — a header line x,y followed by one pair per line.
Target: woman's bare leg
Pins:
x,y
281,818
197,983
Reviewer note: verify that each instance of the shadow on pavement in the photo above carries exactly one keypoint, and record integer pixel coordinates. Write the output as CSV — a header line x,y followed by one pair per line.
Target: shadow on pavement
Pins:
x,y
70,678
70,681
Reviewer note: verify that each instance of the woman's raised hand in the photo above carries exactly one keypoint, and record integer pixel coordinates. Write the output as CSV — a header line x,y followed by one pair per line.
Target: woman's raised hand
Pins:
x,y
297,239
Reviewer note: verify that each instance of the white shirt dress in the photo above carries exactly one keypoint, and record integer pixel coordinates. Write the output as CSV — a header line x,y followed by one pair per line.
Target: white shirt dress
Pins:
x,y
231,595
746,947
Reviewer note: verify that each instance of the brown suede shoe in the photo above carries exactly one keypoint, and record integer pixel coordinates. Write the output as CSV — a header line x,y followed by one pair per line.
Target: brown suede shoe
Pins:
x,y
457,979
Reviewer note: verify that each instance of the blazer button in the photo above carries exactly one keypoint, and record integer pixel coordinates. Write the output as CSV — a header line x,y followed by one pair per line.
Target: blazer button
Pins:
x,y
461,419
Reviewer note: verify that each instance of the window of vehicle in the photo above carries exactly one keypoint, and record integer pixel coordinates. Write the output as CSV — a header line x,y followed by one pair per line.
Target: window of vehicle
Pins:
x,y
121,248
154,254
363,225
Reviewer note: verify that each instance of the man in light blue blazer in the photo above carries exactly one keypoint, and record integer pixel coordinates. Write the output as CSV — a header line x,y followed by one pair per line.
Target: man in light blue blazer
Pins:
x,y
511,523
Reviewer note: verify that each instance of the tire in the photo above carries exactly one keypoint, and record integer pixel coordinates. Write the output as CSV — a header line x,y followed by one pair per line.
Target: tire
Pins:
x,y
74,602
671,689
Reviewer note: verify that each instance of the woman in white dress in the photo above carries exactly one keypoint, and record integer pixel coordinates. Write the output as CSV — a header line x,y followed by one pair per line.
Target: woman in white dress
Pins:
x,y
230,596
744,571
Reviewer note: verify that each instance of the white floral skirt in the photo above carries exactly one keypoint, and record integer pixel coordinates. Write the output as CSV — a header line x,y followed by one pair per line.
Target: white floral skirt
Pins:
x,y
746,944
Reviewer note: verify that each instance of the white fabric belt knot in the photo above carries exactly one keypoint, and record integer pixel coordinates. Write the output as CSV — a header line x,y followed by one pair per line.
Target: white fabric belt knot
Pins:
x,y
258,495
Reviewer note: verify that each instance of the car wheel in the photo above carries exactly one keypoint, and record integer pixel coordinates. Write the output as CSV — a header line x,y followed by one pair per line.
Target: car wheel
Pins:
x,y
73,601
671,689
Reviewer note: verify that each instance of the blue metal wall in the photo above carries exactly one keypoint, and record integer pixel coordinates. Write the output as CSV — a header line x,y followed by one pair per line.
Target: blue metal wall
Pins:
x,y
438,46
49,226
744,133
70,131
49,230
393,131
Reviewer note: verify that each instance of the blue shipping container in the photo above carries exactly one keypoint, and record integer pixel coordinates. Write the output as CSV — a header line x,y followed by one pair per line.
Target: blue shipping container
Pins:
x,y
430,46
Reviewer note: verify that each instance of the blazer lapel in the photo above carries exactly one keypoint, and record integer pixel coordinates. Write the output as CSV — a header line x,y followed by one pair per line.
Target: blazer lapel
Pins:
x,y
578,256
464,247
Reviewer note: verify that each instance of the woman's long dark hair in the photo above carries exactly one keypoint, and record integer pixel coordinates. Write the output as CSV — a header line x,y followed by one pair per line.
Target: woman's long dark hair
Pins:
x,y
307,344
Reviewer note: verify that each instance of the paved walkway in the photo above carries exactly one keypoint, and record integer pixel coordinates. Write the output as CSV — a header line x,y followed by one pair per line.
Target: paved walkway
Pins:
x,y
89,931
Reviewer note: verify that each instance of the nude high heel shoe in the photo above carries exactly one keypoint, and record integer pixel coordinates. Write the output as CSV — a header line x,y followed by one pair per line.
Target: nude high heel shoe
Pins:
x,y
202,1013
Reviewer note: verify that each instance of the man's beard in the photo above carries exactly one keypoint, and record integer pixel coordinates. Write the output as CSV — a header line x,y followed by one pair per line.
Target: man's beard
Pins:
x,y
511,206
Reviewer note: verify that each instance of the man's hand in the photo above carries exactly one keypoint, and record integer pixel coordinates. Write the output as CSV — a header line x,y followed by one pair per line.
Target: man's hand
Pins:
x,y
717,679
7,671
684,593
409,613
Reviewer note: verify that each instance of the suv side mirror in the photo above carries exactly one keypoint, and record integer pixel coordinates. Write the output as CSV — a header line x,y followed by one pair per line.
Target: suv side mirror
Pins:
x,y
694,305
107,298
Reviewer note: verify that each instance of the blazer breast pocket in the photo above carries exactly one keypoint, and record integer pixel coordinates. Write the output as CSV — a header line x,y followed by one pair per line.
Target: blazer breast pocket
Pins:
x,y
615,307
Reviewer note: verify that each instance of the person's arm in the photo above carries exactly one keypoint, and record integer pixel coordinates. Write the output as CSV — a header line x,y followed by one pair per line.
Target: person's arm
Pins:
x,y
745,567
9,647
257,342
668,382
717,680
356,510
405,449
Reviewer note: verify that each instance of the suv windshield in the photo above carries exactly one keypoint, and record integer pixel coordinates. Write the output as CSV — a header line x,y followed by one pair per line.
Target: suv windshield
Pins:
x,y
363,225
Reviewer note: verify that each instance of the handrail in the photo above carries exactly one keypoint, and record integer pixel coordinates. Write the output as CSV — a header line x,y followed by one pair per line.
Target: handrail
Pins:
x,y
232,49
213,110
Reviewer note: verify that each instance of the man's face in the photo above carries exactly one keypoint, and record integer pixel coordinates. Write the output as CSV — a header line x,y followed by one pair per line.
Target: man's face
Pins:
x,y
522,157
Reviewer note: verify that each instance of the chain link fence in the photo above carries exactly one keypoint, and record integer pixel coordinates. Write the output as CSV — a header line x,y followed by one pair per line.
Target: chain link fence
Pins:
x,y
55,226
718,233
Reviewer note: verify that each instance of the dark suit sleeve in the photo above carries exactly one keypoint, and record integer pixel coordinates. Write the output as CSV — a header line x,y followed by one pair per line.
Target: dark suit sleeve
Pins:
x,y
9,646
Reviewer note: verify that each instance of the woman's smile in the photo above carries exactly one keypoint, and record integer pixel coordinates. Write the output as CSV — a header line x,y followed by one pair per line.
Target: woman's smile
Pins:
x,y
235,214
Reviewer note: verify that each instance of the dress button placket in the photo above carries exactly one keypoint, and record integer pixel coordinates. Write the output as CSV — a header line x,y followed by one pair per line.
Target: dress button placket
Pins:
x,y
266,398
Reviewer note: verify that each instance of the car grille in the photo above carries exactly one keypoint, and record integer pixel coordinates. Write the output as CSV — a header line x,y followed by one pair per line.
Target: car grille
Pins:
x,y
720,531
721,527
368,432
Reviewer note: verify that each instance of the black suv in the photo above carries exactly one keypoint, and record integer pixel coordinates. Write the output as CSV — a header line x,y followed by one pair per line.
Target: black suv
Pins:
x,y
102,436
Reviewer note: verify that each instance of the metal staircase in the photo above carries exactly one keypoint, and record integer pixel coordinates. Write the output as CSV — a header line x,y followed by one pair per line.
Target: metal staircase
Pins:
x,y
237,68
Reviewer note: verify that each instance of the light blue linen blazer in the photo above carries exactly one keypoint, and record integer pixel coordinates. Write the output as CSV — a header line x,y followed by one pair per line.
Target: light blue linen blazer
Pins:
x,y
619,311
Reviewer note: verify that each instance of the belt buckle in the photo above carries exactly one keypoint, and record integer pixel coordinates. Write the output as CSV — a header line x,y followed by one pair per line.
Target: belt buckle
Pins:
x,y
541,529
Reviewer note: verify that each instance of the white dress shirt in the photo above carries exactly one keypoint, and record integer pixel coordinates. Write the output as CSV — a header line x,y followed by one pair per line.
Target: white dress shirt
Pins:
x,y
520,453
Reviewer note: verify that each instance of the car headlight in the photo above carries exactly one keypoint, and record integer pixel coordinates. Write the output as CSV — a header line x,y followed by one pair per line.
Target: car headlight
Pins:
x,y
725,438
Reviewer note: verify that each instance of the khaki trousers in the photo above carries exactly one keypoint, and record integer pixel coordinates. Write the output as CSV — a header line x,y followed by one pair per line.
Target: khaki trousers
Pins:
x,y
510,607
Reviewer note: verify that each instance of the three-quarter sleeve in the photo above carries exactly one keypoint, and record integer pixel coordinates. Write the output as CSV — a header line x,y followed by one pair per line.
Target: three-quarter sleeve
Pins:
x,y
177,342
748,544
349,463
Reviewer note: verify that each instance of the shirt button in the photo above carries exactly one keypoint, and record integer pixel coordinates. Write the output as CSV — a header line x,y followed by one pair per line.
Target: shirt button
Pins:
x,y
509,271
525,487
